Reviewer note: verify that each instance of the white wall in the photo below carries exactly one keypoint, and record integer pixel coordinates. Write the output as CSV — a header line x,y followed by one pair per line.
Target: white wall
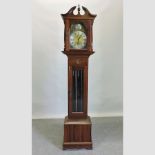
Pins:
x,y
50,65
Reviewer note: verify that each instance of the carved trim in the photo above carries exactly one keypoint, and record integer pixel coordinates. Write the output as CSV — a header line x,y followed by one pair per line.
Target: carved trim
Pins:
x,y
87,12
70,13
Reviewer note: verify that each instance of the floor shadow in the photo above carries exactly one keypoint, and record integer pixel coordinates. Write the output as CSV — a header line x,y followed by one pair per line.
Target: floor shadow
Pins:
x,y
107,130
51,130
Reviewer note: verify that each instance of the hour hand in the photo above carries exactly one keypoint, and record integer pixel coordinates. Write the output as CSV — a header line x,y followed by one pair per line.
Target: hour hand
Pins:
x,y
79,37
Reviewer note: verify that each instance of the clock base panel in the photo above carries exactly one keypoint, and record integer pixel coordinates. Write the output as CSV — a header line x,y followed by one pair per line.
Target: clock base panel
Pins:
x,y
77,133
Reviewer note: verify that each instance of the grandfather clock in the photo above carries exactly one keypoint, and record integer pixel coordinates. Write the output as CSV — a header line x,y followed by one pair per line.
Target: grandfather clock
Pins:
x,y
78,38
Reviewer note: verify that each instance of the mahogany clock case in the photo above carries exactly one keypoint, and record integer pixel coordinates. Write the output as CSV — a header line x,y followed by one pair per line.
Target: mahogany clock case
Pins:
x,y
77,125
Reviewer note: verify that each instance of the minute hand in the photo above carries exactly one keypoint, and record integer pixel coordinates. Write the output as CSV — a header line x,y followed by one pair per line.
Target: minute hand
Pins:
x,y
79,38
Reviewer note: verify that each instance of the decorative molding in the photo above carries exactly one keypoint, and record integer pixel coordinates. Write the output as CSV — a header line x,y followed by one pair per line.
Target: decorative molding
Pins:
x,y
70,14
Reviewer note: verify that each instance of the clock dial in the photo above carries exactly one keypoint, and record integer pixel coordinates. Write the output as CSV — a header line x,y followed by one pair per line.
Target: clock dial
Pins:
x,y
78,40
78,37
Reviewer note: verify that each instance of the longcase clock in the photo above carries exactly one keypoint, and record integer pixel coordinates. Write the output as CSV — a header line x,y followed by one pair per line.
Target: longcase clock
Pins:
x,y
78,41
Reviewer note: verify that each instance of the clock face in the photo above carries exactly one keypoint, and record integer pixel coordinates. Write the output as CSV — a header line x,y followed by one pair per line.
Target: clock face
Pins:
x,y
78,37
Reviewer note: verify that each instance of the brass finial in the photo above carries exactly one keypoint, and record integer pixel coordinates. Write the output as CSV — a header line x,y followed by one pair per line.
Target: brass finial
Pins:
x,y
78,9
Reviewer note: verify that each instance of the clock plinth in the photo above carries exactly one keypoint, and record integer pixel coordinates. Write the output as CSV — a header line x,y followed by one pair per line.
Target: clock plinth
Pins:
x,y
78,38
77,133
